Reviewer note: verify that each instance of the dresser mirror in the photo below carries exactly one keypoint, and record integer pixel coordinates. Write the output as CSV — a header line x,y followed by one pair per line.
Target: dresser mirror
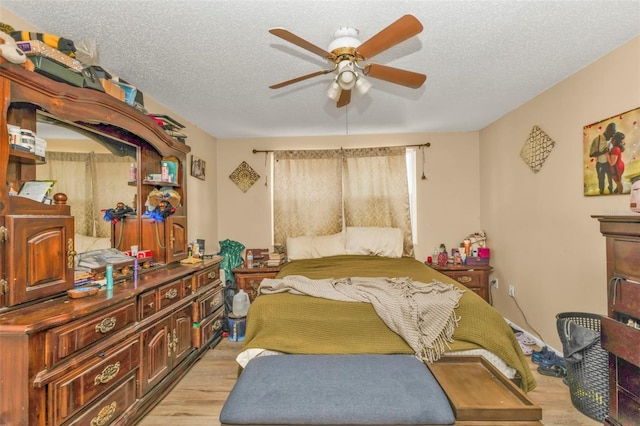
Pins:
x,y
95,172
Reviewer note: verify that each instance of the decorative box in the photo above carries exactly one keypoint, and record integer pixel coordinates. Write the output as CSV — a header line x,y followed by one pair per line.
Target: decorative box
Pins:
x,y
55,71
476,261
36,47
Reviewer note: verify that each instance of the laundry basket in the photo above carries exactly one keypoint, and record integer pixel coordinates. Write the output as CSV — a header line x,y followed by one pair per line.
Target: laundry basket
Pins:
x,y
587,363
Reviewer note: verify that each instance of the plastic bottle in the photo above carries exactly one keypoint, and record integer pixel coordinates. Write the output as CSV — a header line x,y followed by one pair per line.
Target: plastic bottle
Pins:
x,y
109,276
249,259
240,304
164,173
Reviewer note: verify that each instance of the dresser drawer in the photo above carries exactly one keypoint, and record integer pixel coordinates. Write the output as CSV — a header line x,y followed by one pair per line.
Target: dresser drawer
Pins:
x,y
206,277
77,335
169,294
624,297
621,339
209,329
208,303
628,377
162,297
624,257
110,407
466,278
76,389
628,409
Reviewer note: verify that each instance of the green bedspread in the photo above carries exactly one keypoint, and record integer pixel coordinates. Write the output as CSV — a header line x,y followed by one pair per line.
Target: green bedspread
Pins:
x,y
308,325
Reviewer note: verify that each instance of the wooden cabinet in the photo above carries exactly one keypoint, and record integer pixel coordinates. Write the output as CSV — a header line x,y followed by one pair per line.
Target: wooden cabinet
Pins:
x,y
167,240
249,279
164,345
475,278
39,253
620,330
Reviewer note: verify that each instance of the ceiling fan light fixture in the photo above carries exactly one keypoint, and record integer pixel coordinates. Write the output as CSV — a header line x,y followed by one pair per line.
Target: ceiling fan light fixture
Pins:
x,y
333,91
347,76
362,85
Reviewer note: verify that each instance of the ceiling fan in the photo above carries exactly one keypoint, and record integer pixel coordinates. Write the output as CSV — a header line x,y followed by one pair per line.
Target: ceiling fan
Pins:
x,y
350,59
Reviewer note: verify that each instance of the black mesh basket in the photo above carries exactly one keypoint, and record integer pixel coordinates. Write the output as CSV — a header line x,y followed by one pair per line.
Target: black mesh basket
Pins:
x,y
588,378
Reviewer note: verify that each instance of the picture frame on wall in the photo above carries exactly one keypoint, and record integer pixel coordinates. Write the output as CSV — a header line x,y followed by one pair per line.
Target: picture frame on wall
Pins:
x,y
611,154
198,167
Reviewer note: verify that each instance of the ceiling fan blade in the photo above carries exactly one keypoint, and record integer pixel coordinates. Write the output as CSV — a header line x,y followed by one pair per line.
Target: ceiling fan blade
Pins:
x,y
395,75
298,41
402,29
301,78
345,98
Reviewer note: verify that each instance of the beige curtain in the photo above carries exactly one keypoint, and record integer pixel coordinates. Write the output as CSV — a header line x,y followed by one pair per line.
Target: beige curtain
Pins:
x,y
375,188
307,192
92,182
318,192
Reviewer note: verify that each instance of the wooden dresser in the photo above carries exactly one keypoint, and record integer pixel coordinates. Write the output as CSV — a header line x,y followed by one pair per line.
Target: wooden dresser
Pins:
x,y
475,278
106,359
621,328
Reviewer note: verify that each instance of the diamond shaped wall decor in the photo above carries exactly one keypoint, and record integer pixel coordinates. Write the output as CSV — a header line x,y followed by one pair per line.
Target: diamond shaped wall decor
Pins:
x,y
536,149
244,176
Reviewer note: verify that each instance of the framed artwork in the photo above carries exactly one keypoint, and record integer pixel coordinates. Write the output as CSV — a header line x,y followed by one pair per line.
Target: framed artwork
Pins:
x,y
198,167
611,154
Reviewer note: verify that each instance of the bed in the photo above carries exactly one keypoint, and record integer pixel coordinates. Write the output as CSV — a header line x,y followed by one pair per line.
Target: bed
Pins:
x,y
299,324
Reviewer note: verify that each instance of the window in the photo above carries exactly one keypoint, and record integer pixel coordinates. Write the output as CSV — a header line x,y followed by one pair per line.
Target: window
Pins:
x,y
321,192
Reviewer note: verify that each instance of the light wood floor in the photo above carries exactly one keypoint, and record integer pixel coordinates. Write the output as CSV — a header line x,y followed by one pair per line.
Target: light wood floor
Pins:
x,y
199,397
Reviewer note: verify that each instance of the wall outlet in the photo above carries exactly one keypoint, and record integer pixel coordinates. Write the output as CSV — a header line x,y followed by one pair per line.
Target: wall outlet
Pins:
x,y
512,290
494,283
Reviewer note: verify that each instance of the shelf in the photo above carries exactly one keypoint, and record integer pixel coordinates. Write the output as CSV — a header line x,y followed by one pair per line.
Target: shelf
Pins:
x,y
25,157
160,183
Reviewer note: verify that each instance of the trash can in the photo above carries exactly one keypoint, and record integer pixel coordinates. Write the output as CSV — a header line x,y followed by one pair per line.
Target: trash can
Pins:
x,y
587,363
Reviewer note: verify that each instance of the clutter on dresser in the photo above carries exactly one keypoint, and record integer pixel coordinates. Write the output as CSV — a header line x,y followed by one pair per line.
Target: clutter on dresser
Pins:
x,y
275,259
91,266
256,258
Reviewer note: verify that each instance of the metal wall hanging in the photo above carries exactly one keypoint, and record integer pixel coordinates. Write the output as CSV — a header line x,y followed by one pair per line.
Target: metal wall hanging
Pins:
x,y
536,149
244,176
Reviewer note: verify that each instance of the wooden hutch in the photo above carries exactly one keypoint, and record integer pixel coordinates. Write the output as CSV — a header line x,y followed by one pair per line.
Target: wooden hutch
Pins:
x,y
107,358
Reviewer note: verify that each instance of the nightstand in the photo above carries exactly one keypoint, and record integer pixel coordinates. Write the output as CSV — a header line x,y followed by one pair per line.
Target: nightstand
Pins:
x,y
475,278
249,279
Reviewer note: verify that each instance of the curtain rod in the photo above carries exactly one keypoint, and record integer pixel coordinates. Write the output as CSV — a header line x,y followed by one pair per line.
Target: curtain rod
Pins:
x,y
427,144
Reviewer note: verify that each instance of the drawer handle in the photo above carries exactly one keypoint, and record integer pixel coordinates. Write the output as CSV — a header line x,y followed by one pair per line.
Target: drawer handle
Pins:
x,y
465,279
106,325
104,416
171,294
214,302
151,304
109,372
217,325
211,275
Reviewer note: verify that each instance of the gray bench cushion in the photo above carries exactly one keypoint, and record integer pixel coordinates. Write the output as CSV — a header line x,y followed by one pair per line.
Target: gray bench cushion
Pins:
x,y
336,389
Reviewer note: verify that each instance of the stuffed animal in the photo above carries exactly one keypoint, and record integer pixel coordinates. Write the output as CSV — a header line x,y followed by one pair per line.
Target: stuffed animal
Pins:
x,y
10,52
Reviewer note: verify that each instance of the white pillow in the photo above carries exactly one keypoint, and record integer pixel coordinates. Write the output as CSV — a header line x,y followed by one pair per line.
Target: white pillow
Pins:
x,y
374,241
328,245
299,248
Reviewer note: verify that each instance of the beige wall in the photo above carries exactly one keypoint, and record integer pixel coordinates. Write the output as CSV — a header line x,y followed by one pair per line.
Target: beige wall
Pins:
x,y
542,237
448,200
201,200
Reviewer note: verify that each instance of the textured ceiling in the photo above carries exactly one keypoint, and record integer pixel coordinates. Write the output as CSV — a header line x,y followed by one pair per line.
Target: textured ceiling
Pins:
x,y
212,61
